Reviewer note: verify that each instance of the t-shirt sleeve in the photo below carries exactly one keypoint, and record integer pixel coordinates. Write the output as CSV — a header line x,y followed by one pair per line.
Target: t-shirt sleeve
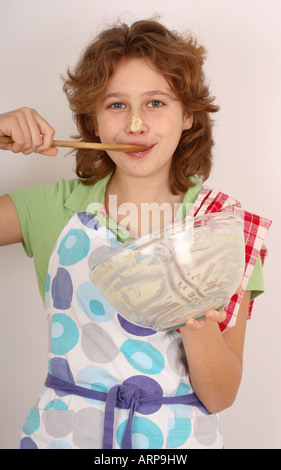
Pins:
x,y
256,281
33,212
42,216
35,206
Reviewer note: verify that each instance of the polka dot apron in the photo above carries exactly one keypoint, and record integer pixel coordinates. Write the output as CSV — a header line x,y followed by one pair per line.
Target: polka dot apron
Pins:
x,y
110,383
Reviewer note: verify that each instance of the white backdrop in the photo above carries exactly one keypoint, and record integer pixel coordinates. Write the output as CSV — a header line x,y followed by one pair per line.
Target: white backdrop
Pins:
x,y
39,39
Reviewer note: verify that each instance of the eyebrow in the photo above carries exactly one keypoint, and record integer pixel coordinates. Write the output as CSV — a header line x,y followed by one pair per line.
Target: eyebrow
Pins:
x,y
118,94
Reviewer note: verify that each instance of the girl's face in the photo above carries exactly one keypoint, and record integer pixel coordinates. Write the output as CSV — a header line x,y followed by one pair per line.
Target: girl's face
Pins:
x,y
136,89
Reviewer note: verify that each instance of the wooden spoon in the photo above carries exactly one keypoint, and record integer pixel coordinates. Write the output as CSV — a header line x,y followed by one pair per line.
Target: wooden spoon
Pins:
x,y
88,145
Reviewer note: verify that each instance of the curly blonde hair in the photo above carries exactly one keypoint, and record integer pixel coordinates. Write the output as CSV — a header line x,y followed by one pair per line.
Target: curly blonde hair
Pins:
x,y
179,59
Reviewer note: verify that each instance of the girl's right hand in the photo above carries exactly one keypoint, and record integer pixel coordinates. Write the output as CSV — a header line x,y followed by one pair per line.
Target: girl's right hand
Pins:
x,y
29,131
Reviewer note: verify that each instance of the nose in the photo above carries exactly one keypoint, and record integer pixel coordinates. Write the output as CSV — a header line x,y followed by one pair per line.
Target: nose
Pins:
x,y
136,125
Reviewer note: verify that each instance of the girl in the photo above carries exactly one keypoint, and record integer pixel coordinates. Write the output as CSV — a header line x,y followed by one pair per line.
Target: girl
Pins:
x,y
112,384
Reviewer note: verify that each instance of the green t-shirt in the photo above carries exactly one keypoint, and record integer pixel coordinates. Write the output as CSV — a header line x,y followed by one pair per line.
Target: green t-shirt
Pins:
x,y
46,209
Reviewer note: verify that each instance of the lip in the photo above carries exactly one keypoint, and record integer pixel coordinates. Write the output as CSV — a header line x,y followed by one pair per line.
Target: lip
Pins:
x,y
139,155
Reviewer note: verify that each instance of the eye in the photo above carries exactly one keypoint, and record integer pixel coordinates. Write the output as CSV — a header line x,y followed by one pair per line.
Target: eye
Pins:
x,y
155,104
117,106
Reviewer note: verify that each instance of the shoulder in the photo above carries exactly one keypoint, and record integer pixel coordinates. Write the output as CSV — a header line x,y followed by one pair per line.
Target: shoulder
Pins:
x,y
43,196
38,207
214,200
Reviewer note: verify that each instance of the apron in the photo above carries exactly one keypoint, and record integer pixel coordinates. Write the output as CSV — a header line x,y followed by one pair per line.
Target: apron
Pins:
x,y
110,384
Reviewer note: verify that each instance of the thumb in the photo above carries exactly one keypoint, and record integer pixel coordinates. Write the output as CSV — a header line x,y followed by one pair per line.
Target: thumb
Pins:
x,y
51,152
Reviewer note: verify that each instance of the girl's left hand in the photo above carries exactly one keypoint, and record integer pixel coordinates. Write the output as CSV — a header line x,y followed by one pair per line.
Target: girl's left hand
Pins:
x,y
216,316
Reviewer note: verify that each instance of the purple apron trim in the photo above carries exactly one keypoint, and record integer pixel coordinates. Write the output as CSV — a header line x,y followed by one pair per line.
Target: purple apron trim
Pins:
x,y
124,396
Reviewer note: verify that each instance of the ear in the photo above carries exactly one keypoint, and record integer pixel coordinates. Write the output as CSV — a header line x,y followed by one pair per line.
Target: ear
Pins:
x,y
187,122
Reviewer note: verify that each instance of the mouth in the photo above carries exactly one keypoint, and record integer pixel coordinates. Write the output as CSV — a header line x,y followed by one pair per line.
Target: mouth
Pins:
x,y
142,154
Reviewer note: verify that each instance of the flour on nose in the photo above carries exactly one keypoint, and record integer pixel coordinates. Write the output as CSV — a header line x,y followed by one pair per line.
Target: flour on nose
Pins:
x,y
135,123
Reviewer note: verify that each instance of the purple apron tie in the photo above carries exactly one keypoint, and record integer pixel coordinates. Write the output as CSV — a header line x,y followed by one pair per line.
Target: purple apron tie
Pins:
x,y
124,396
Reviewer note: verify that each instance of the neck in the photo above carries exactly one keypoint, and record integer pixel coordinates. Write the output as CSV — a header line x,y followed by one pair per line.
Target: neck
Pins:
x,y
138,189
140,204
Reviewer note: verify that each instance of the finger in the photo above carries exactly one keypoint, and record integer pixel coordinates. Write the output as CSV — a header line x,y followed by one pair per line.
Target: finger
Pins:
x,y
17,128
17,148
32,139
41,133
6,147
52,152
216,315
35,134
47,135
195,324
17,124
30,132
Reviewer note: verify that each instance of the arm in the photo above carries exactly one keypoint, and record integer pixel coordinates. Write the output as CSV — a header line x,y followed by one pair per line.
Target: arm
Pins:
x,y
215,360
30,133
10,229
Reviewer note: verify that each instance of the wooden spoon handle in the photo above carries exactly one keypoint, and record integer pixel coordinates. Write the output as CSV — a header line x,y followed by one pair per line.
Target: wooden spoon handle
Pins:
x,y
88,145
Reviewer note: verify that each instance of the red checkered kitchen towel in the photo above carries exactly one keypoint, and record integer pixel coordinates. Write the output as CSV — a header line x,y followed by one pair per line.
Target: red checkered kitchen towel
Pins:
x,y
255,229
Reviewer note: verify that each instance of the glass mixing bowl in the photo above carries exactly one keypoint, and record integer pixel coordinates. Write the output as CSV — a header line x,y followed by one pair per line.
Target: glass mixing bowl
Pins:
x,y
160,280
